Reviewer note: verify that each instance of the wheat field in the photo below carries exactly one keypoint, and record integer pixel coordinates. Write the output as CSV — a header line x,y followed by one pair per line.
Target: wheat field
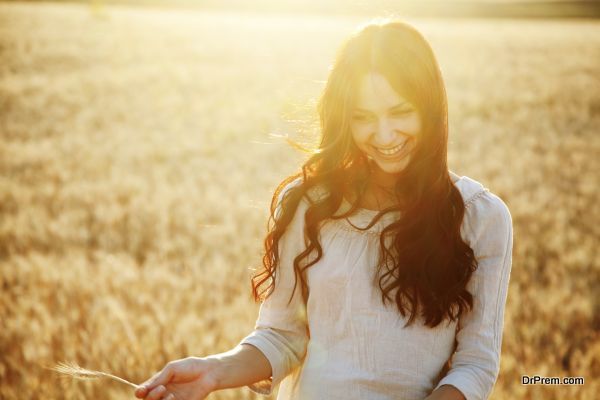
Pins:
x,y
139,148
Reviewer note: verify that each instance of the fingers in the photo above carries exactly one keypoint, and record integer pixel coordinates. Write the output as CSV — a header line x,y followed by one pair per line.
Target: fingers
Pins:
x,y
140,392
156,393
160,393
160,379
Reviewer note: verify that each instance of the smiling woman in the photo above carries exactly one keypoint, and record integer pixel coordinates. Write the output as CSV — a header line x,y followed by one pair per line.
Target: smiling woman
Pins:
x,y
409,306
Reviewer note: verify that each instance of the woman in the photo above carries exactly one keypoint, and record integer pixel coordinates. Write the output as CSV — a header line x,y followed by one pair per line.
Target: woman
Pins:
x,y
385,274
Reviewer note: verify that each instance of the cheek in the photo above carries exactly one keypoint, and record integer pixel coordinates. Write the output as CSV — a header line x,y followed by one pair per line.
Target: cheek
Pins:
x,y
410,125
360,134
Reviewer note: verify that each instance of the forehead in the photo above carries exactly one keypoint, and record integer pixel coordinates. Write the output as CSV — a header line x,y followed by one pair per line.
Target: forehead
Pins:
x,y
375,93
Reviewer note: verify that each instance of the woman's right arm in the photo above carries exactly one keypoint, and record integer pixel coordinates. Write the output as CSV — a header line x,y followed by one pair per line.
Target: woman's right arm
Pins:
x,y
195,378
241,366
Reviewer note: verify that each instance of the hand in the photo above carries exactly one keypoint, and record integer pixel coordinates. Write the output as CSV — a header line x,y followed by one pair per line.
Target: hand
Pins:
x,y
190,378
446,392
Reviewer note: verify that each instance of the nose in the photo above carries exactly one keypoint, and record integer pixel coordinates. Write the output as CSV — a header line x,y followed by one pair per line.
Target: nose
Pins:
x,y
385,135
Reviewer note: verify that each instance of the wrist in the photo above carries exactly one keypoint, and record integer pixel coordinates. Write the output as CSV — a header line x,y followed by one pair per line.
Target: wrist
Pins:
x,y
213,378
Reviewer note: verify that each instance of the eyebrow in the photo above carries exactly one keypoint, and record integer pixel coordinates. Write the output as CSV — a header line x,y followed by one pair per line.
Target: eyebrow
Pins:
x,y
396,107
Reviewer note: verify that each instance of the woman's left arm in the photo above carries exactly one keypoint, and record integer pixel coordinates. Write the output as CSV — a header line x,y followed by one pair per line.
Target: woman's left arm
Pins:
x,y
476,362
446,392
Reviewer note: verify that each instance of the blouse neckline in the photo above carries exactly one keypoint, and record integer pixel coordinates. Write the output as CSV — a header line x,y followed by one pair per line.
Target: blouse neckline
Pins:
x,y
368,211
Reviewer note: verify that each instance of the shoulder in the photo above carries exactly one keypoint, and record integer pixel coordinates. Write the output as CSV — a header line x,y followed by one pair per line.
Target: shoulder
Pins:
x,y
312,195
288,187
479,198
485,212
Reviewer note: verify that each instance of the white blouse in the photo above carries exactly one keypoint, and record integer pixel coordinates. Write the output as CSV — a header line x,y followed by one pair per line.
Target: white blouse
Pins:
x,y
345,344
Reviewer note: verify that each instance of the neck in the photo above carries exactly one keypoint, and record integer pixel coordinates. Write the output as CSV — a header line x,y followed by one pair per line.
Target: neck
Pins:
x,y
379,192
381,179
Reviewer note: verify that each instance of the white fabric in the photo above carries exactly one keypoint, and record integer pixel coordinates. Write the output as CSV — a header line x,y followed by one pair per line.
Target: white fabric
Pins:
x,y
345,344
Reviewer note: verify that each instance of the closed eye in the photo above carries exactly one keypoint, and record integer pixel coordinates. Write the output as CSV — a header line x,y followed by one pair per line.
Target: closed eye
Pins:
x,y
399,113
360,118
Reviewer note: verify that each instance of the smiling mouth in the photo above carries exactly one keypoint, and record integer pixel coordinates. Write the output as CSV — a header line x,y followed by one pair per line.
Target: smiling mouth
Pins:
x,y
394,151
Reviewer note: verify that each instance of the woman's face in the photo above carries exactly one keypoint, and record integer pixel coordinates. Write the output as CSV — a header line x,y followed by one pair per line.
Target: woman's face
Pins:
x,y
384,125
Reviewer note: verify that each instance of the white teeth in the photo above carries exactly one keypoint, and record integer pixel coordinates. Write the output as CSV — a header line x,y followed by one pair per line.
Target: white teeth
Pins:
x,y
392,151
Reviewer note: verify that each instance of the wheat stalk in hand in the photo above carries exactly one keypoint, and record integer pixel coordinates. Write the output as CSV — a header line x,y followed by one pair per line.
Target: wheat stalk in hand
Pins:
x,y
77,372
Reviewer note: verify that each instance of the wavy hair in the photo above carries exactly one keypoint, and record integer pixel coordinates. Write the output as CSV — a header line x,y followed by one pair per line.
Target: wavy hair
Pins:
x,y
424,265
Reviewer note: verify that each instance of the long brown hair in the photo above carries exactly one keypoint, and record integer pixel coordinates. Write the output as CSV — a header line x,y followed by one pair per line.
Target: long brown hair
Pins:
x,y
426,269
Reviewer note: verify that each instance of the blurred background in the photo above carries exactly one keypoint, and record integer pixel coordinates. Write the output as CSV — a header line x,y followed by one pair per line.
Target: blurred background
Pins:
x,y
141,141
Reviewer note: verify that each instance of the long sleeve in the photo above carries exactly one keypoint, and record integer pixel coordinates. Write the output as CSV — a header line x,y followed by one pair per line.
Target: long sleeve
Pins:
x,y
281,332
476,362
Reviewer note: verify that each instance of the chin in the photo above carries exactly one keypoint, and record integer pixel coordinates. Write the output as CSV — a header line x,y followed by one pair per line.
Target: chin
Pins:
x,y
392,168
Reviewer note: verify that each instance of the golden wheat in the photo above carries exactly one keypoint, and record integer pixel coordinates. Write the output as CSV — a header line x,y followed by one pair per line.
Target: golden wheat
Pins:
x,y
73,370
137,160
